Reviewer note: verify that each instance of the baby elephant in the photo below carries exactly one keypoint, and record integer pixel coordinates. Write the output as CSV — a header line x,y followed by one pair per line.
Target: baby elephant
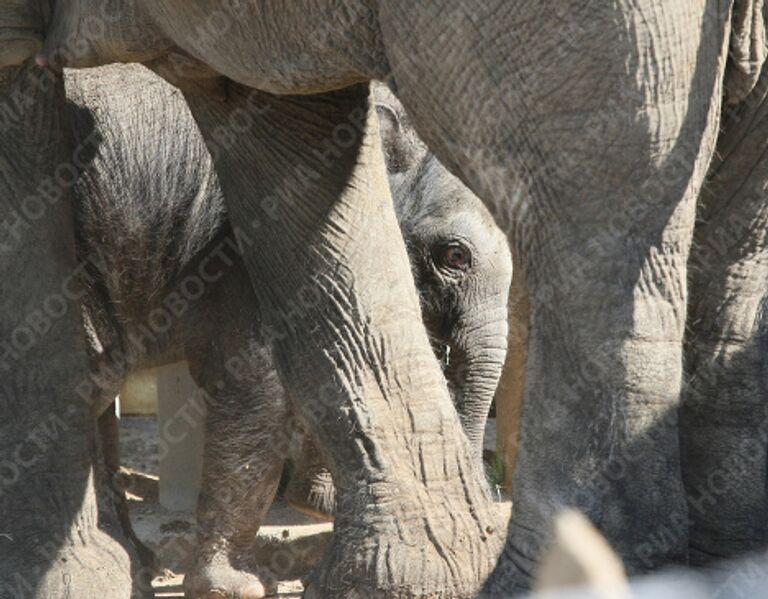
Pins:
x,y
164,281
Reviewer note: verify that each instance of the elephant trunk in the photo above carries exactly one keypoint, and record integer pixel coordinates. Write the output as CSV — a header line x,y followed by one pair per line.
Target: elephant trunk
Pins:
x,y
475,363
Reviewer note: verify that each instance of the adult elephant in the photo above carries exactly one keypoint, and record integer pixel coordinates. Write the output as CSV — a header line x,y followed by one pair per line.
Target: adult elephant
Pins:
x,y
588,127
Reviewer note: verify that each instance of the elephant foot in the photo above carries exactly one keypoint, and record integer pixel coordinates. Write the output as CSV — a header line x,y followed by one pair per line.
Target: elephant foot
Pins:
x,y
443,555
311,491
219,579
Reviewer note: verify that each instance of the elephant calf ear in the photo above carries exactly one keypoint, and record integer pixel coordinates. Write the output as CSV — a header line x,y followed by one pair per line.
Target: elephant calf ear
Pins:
x,y
580,557
747,49
402,147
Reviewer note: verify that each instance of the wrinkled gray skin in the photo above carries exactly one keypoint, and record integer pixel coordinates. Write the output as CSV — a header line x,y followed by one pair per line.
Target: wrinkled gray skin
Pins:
x,y
161,258
464,309
588,128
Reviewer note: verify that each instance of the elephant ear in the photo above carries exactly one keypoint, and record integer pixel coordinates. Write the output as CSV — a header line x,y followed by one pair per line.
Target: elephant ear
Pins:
x,y
402,147
747,49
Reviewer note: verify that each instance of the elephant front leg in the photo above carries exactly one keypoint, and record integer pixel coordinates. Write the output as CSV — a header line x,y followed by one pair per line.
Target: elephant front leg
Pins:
x,y
724,418
56,540
594,147
305,183
602,435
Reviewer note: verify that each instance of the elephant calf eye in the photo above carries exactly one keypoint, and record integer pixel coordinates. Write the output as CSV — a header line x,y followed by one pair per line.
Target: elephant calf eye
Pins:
x,y
454,256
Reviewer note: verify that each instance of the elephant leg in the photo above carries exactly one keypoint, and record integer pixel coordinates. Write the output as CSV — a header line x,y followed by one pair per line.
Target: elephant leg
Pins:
x,y
306,189
724,418
248,429
310,488
592,140
247,435
55,541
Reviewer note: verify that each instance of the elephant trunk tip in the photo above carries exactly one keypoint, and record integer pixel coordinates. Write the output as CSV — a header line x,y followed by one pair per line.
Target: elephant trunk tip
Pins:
x,y
47,59
50,56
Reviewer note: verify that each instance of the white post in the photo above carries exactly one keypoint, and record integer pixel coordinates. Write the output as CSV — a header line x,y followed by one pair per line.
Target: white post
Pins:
x,y
180,417
138,397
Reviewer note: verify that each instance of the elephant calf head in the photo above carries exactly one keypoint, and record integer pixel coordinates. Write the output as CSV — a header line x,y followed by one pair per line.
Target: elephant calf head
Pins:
x,y
461,264
462,267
